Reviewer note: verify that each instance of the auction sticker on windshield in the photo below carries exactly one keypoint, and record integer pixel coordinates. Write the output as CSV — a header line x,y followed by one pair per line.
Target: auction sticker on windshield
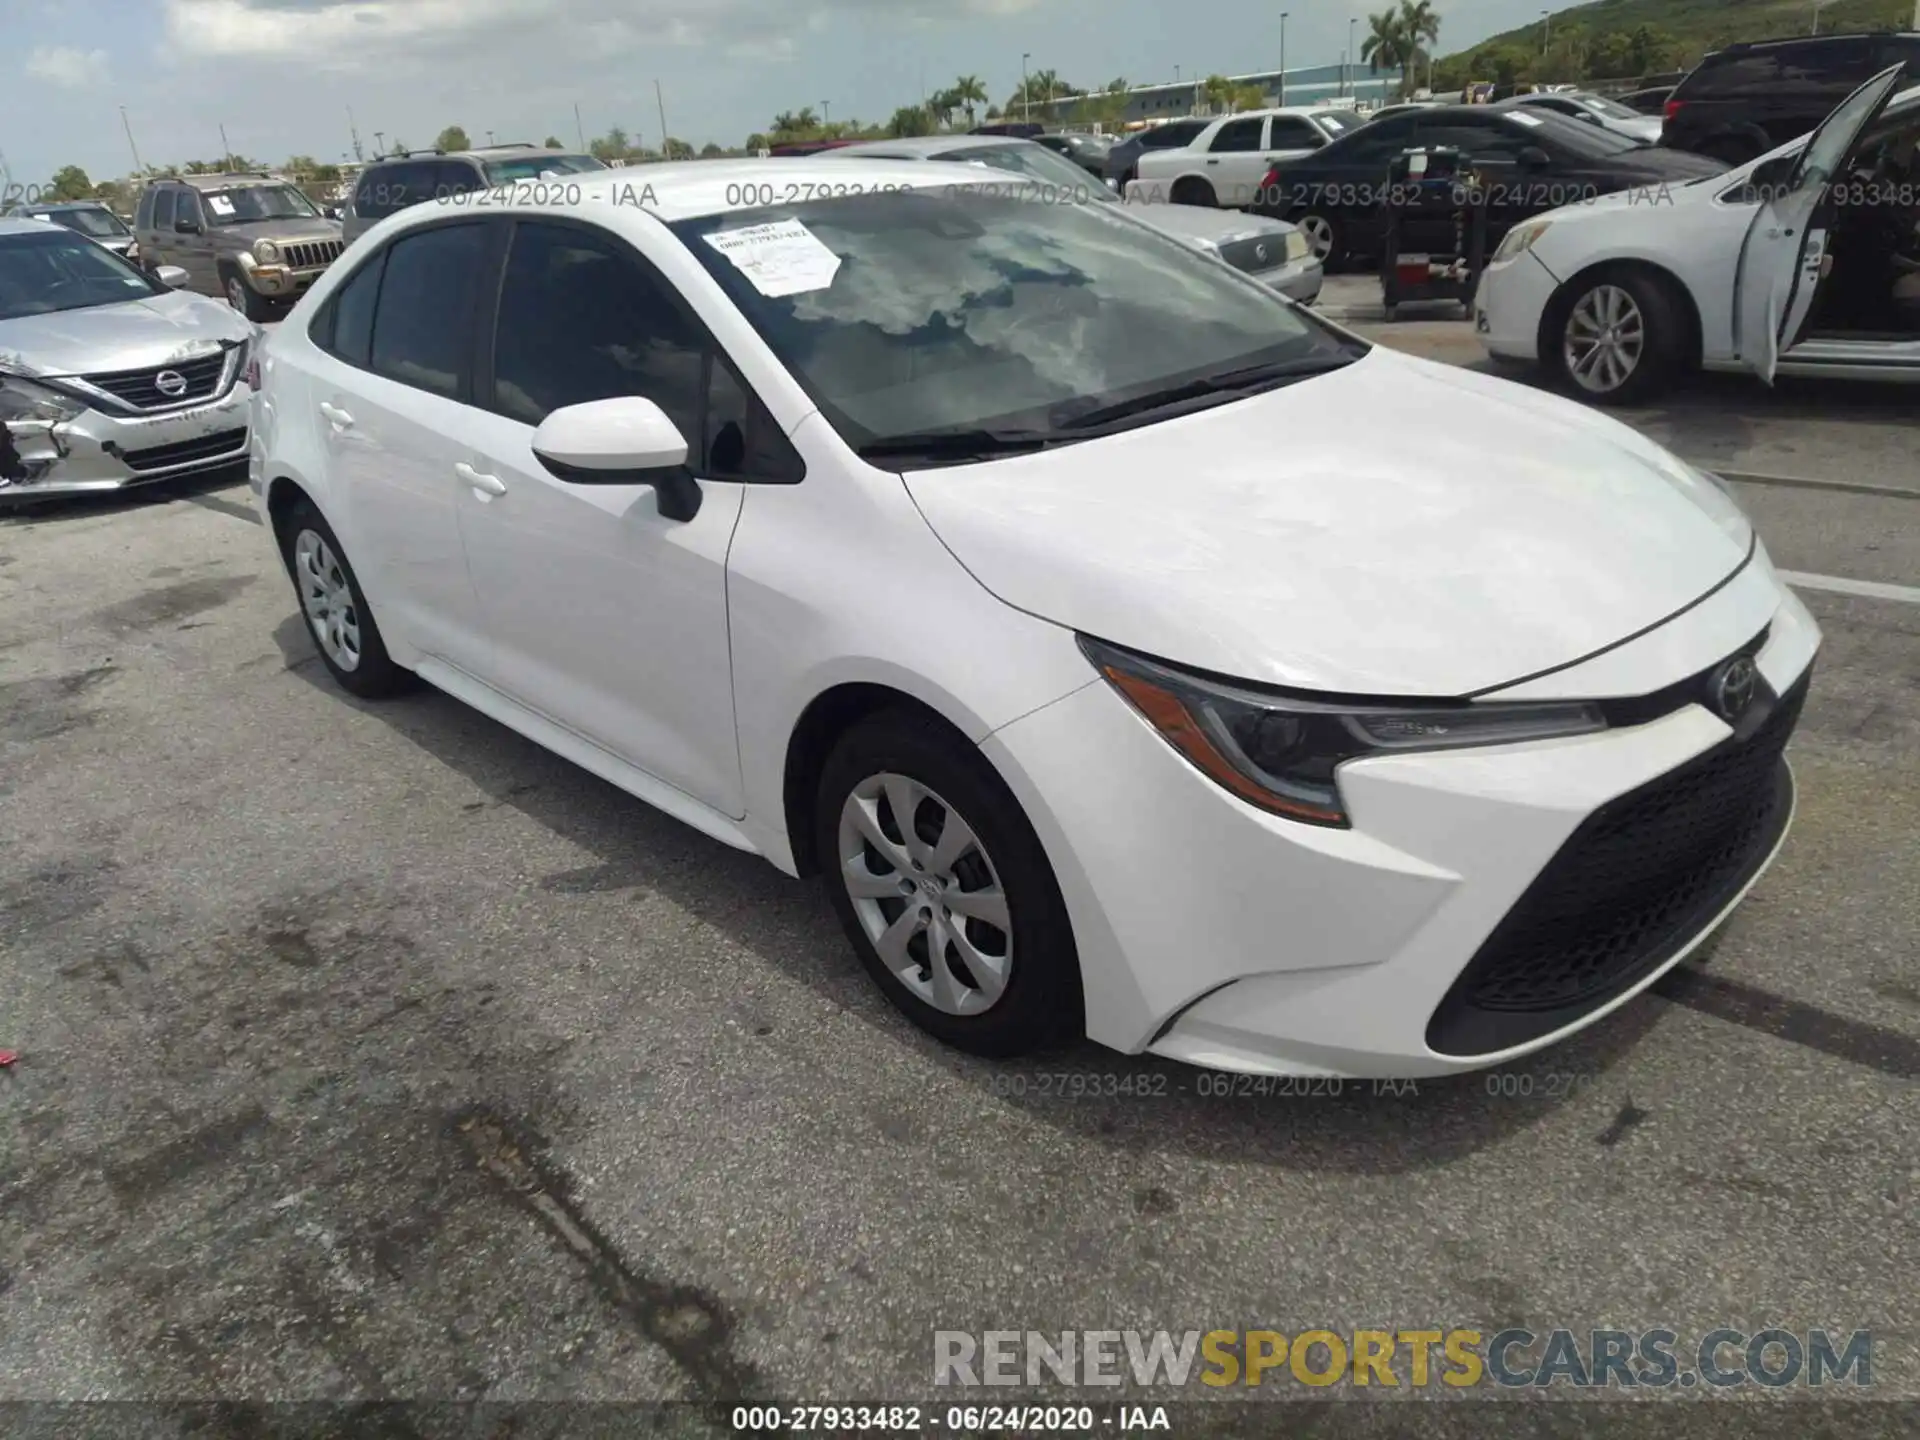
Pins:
x,y
780,258
220,204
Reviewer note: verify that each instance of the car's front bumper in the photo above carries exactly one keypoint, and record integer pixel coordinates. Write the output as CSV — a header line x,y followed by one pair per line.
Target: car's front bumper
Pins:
x,y
1512,296
97,451
1215,933
281,282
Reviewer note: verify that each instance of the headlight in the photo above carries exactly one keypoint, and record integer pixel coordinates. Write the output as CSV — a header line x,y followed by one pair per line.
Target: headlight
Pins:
x,y
24,400
1297,246
1521,239
266,252
1281,752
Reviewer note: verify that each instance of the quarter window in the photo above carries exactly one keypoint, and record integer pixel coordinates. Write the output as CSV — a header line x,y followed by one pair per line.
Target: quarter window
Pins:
x,y
422,330
346,329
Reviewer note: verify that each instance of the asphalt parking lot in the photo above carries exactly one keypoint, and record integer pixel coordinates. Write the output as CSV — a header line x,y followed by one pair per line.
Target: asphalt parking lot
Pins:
x,y
369,1051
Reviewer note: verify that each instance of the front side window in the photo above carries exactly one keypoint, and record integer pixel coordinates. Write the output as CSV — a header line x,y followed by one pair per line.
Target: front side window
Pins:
x,y
422,326
580,320
186,209
936,310
55,269
245,204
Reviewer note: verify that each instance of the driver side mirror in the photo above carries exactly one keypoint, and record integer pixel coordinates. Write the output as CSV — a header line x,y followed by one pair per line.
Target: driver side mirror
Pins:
x,y
171,276
187,227
625,440
1534,158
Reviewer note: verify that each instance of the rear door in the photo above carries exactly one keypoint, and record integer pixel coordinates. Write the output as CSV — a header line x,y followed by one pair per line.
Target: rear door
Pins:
x,y
1785,251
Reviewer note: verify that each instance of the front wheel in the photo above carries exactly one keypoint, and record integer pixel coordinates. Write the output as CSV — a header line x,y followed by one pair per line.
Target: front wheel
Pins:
x,y
1617,339
241,297
944,890
1323,236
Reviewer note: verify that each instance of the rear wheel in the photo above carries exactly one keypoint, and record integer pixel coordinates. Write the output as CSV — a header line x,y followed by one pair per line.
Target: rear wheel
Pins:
x,y
336,611
1323,236
1191,190
944,890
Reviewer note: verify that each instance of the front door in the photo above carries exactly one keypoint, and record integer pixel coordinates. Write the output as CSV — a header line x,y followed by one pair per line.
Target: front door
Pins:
x,y
1236,160
604,615
193,248
1786,245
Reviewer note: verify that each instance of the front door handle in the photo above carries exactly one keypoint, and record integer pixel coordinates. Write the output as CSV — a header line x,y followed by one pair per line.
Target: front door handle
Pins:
x,y
336,417
484,483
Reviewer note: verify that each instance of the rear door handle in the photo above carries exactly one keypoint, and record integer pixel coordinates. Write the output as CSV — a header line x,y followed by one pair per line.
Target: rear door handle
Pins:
x,y
336,417
485,484
1213,162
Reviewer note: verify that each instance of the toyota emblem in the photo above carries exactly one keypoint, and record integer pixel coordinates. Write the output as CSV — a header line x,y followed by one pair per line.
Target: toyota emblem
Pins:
x,y
1733,686
170,382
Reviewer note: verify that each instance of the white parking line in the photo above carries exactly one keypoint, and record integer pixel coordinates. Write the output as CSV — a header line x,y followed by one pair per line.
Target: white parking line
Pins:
x,y
1870,589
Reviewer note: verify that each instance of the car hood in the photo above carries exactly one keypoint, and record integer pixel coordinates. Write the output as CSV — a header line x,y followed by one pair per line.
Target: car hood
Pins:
x,y
1198,225
311,231
161,330
1395,528
1655,163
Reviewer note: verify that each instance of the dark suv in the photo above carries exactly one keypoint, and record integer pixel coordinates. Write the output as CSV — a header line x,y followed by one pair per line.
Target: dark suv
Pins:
x,y
392,184
1743,101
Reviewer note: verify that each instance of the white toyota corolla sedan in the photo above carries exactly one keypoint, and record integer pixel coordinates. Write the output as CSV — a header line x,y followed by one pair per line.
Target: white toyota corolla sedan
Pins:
x,y
1133,653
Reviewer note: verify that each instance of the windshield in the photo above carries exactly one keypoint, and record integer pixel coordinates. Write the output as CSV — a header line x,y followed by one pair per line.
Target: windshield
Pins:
x,y
1612,109
97,221
1045,167
532,167
244,204
959,307
1589,142
57,270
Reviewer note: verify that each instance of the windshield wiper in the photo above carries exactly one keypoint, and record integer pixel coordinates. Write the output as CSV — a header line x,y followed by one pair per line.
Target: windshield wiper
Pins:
x,y
1229,384
958,444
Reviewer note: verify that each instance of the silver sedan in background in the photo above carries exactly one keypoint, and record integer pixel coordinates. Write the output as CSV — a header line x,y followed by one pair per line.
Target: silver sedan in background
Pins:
x,y
1271,251
110,377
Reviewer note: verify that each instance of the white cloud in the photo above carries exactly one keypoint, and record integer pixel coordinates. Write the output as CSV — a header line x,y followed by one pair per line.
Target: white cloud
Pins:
x,y
64,65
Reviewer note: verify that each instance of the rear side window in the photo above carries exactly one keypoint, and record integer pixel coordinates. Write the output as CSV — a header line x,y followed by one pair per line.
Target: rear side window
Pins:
x,y
1165,137
387,189
1376,141
1292,133
1734,75
163,209
452,177
422,325
1817,70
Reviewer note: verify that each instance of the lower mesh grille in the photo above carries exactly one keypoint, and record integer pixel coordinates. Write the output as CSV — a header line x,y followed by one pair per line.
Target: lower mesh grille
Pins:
x,y
1631,887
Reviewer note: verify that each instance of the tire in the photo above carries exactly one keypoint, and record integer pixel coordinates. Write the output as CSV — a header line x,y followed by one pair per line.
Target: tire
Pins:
x,y
241,297
1596,303
898,754
334,608
1190,190
1324,235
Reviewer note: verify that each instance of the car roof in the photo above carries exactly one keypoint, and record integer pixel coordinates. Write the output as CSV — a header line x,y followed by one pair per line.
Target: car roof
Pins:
x,y
924,145
10,226
47,207
221,182
687,189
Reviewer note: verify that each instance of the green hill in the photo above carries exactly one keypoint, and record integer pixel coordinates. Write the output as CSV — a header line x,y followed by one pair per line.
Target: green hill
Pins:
x,y
1620,39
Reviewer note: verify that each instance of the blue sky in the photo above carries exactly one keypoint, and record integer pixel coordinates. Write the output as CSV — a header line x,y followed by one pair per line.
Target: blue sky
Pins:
x,y
281,74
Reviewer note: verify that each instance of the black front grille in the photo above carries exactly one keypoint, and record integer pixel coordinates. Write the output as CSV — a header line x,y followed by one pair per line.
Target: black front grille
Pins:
x,y
141,388
1632,886
1260,252
309,254
207,447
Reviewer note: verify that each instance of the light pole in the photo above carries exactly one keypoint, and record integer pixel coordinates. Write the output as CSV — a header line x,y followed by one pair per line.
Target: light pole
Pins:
x,y
1026,95
138,168
489,137
379,143
826,114
1816,16
1352,23
1283,57
1546,30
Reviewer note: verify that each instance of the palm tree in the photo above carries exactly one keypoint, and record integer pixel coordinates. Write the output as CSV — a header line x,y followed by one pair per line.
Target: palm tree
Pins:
x,y
785,123
1388,45
941,105
1421,25
968,92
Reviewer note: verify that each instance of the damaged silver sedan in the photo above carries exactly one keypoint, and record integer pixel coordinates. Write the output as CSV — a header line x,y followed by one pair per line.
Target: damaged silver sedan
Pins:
x,y
110,377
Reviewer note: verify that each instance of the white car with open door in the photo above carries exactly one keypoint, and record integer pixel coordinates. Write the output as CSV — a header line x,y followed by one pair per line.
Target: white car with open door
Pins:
x,y
1804,262
1226,162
